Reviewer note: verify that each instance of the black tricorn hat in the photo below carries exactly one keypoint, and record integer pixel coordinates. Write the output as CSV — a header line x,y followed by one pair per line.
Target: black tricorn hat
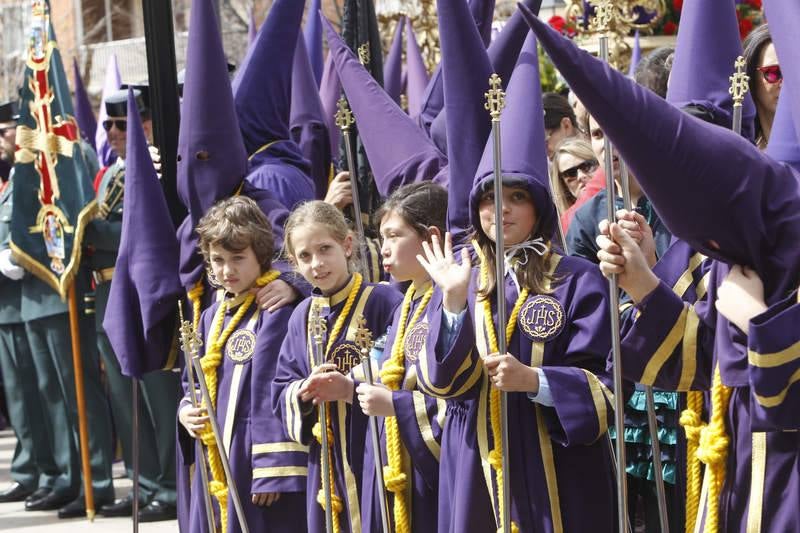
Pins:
x,y
117,102
9,111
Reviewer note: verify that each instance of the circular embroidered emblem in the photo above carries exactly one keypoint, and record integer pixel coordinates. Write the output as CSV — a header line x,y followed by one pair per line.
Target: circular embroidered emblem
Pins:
x,y
415,341
345,356
241,346
542,318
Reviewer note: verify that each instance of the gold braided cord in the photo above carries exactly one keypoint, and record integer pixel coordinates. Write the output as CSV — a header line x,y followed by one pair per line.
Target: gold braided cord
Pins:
x,y
392,373
496,455
195,295
692,422
713,449
336,501
217,486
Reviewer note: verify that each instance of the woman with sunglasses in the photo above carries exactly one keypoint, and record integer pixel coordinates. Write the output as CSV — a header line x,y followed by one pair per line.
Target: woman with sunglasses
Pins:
x,y
573,165
765,80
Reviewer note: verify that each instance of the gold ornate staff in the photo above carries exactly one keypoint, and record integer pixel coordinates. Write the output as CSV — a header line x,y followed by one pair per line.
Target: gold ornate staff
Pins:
x,y
365,343
344,120
739,86
318,328
194,352
495,102
190,344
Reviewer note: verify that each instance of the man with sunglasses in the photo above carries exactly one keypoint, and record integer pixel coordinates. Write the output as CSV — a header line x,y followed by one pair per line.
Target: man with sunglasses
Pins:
x,y
160,389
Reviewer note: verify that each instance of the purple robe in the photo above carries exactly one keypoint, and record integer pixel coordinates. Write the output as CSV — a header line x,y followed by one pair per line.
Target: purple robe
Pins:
x,y
262,457
420,419
281,169
562,478
377,304
677,339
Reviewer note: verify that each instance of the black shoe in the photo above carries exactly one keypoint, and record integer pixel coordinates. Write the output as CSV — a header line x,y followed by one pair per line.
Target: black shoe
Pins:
x,y
121,507
156,511
38,494
77,508
14,493
51,502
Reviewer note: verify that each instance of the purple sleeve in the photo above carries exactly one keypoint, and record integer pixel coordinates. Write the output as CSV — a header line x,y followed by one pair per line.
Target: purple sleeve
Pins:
x,y
420,419
774,367
279,463
292,278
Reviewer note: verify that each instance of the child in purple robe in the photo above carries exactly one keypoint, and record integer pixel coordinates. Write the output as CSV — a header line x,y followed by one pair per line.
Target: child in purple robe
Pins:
x,y
320,244
413,420
240,344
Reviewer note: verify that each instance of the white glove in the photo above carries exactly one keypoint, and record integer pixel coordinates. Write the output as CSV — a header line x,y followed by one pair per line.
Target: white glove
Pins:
x,y
8,268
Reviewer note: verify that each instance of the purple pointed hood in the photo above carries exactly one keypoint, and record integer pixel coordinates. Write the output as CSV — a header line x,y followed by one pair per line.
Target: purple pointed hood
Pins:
x,y
503,54
84,115
140,317
393,66
112,83
711,187
312,34
252,29
417,77
783,17
262,87
524,156
636,54
704,61
398,152
783,141
329,92
307,120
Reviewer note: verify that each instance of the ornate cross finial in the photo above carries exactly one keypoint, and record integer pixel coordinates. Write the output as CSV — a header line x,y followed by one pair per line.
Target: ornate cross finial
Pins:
x,y
317,325
603,15
190,339
363,54
344,117
495,98
739,82
363,337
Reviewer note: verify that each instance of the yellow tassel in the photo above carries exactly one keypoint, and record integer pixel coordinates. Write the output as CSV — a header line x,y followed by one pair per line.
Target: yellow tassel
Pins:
x,y
496,455
336,502
713,449
693,425
217,486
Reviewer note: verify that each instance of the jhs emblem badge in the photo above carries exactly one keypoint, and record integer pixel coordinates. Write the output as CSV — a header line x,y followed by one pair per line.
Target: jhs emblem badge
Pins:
x,y
345,356
241,346
542,318
415,341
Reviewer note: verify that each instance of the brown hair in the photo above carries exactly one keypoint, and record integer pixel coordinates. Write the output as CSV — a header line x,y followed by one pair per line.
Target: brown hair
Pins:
x,y
236,223
421,205
575,147
322,214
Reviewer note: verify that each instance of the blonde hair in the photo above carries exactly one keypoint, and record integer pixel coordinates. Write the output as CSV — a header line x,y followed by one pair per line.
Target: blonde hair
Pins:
x,y
236,223
322,214
575,147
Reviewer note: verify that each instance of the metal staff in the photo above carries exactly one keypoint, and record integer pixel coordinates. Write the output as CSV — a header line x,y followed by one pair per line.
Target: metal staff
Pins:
x,y
495,101
223,455
135,452
344,120
604,14
190,343
318,329
365,343
739,87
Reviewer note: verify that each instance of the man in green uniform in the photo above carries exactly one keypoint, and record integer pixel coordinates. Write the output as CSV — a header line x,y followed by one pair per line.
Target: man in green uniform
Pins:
x,y
33,470
160,389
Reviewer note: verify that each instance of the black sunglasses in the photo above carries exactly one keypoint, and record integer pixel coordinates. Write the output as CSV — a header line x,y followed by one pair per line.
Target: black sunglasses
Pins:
x,y
587,167
121,124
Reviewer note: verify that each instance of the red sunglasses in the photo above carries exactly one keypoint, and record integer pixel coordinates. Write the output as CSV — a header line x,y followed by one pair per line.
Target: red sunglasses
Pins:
x,y
772,73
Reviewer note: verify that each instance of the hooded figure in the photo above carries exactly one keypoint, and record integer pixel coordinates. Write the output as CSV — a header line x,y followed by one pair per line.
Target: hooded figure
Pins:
x,y
393,66
399,153
307,121
417,74
712,53
329,92
83,107
262,92
636,55
312,35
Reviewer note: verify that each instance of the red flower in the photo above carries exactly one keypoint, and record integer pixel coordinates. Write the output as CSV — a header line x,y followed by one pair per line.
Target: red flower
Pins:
x,y
670,28
755,4
677,5
745,27
557,23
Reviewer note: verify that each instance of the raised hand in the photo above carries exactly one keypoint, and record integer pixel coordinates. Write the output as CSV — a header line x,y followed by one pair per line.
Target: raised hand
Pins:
x,y
619,254
340,191
639,230
451,277
275,295
740,297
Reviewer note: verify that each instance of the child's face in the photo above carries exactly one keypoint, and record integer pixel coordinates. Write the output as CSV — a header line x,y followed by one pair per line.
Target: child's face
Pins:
x,y
400,245
519,215
320,258
237,271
